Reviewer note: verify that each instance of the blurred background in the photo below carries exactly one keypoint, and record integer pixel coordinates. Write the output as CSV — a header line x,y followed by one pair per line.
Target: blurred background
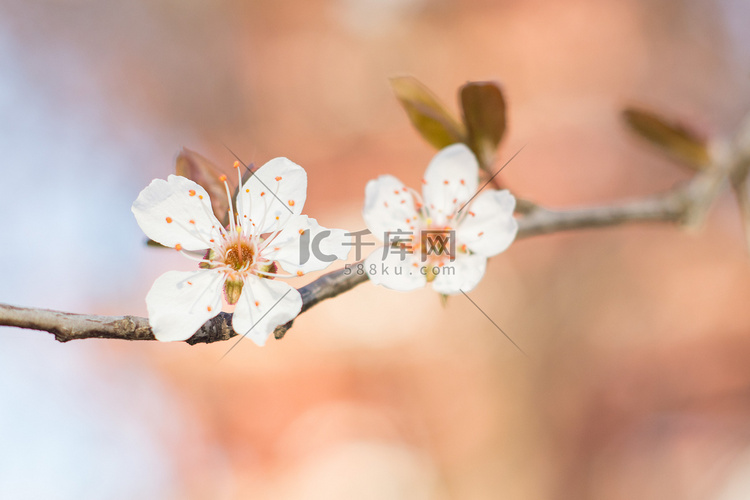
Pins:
x,y
637,383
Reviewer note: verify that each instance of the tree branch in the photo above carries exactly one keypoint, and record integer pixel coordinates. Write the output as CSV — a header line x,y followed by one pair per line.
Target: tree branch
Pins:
x,y
71,326
686,203
672,206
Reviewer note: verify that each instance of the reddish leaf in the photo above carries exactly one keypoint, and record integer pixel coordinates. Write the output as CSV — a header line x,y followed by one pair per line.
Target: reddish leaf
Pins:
x,y
202,171
483,107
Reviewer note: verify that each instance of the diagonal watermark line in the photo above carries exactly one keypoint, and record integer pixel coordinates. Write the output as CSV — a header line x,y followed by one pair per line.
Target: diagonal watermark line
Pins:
x,y
490,179
252,174
496,326
261,318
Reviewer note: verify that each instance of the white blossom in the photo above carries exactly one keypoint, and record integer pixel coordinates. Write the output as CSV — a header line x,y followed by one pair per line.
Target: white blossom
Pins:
x,y
481,225
241,261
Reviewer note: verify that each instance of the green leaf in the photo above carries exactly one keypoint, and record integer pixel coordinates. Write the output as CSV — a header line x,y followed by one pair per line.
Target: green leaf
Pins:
x,y
202,171
483,107
674,139
428,115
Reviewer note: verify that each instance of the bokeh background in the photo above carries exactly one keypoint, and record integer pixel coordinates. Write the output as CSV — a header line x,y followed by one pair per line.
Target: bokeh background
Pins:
x,y
637,383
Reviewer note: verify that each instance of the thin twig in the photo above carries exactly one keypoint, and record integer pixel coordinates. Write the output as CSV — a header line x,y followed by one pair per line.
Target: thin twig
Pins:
x,y
67,326
669,207
686,203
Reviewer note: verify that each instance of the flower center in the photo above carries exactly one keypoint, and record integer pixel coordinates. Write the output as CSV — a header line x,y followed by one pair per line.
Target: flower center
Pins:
x,y
239,255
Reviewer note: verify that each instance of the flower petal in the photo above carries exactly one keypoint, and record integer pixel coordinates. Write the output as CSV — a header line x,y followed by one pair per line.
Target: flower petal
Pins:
x,y
389,207
276,192
176,211
304,246
488,226
462,274
450,181
394,272
264,305
180,302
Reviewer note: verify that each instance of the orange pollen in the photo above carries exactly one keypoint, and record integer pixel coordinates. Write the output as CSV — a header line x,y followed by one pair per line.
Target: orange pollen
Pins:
x,y
222,178
445,182
472,214
190,282
278,178
192,221
257,303
300,273
301,231
277,217
178,247
386,204
208,308
403,201
291,203
212,240
191,192
262,193
403,189
480,233
200,196
239,255
395,192
247,190
455,200
463,182
236,164
169,220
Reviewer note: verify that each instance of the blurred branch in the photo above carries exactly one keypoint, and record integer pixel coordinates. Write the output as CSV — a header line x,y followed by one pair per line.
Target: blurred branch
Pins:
x,y
687,203
670,207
